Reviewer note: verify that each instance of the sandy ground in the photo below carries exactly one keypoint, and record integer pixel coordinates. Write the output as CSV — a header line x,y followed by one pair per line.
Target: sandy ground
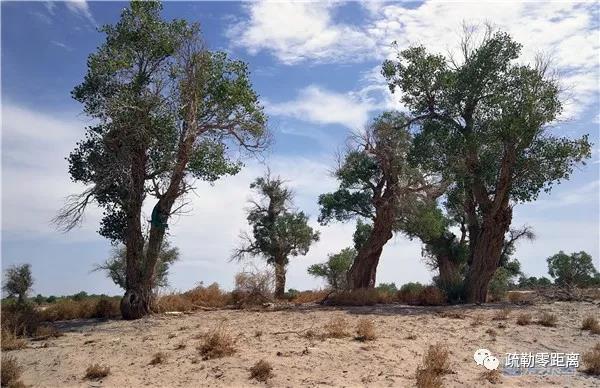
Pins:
x,y
390,360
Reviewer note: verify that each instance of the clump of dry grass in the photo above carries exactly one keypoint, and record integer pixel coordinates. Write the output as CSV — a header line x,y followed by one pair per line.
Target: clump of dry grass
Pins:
x,y
365,330
452,314
180,346
477,320
96,372
591,360
47,331
10,372
261,371
158,358
336,328
216,344
253,287
493,376
501,315
591,324
172,302
435,364
20,320
431,296
547,320
310,296
359,297
68,309
11,342
211,296
524,319
411,337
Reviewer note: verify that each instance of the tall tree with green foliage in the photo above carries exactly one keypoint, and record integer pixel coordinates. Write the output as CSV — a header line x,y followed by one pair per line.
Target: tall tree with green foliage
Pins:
x,y
574,270
18,282
166,110
278,232
115,266
377,184
485,122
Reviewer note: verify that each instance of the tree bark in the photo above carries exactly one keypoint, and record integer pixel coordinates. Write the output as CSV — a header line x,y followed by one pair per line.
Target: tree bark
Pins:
x,y
279,280
136,301
363,271
485,256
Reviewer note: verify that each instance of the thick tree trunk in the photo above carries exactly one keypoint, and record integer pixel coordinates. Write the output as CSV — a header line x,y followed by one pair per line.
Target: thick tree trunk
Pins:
x,y
485,256
448,269
363,271
279,280
135,303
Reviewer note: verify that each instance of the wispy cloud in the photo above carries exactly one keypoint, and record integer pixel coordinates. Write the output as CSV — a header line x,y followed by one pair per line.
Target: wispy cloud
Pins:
x,y
61,45
318,105
81,7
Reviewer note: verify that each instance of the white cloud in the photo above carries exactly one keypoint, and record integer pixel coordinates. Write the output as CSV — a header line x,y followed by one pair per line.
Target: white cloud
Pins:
x,y
34,172
81,7
296,31
317,105
307,32
61,45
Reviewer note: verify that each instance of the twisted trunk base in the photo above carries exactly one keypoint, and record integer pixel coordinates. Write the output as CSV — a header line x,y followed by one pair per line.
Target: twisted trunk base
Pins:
x,y
135,304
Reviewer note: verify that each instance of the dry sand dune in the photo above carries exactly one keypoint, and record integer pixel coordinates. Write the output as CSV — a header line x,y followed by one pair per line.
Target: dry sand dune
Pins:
x,y
279,337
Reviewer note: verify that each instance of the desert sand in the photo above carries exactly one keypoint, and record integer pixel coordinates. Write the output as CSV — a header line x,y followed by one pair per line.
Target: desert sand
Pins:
x,y
278,336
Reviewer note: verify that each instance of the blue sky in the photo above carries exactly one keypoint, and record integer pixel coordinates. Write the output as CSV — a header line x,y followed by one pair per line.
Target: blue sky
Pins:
x,y
316,68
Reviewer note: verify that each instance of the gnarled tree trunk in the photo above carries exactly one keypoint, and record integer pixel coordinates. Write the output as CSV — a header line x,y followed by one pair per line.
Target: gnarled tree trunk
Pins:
x,y
363,271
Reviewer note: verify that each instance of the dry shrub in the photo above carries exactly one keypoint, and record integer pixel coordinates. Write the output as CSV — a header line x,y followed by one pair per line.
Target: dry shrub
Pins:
x,y
217,344
411,337
501,315
524,319
211,296
591,324
47,331
253,288
107,308
435,364
519,297
20,320
432,296
180,346
547,319
261,371
365,330
96,372
10,372
591,360
172,302
67,309
359,297
11,342
493,376
158,358
336,328
310,296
